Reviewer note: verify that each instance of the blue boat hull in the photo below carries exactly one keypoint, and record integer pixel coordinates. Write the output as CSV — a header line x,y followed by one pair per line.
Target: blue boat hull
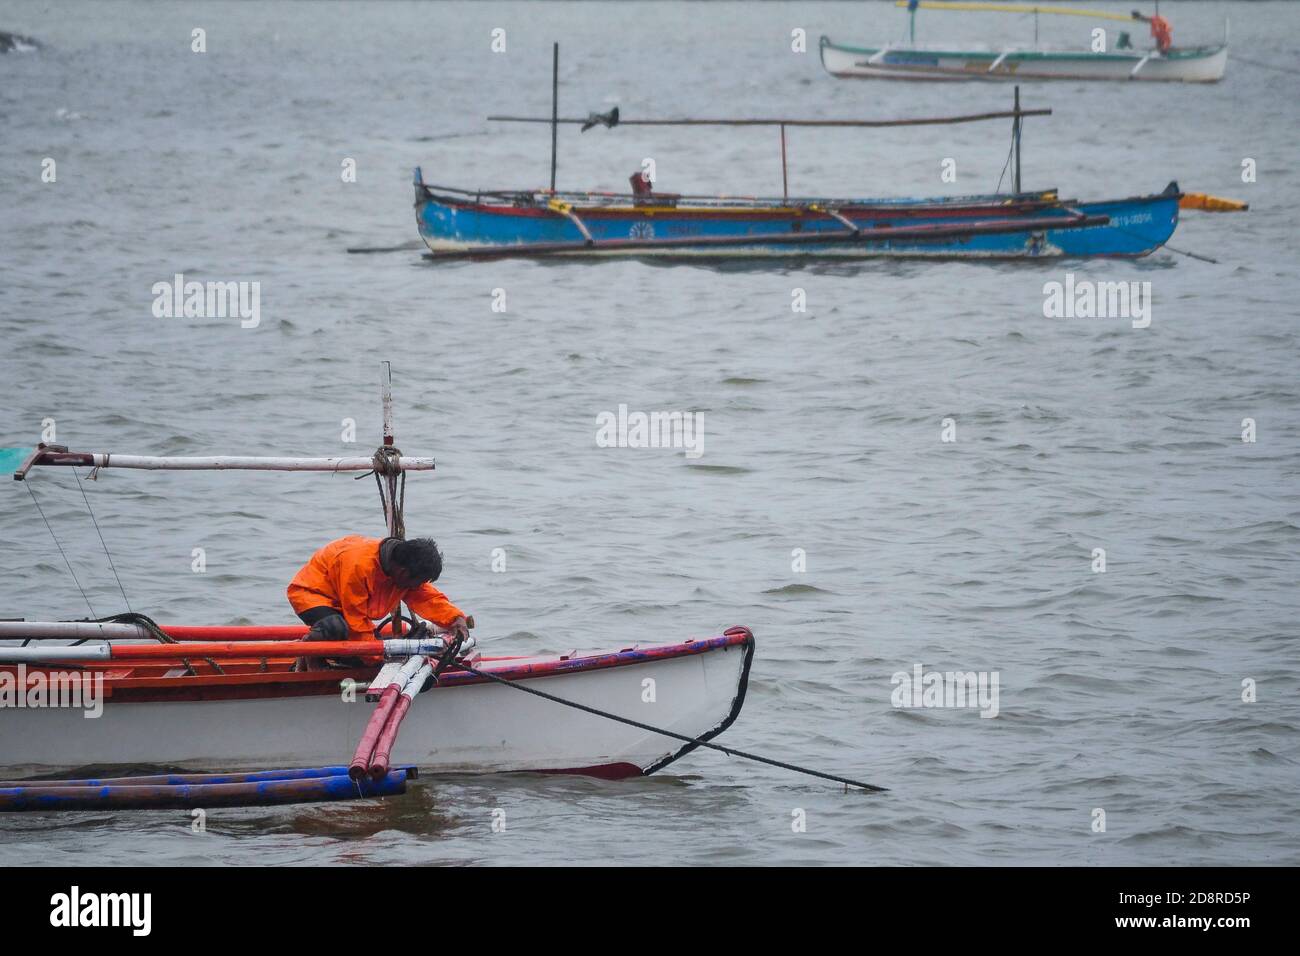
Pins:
x,y
461,225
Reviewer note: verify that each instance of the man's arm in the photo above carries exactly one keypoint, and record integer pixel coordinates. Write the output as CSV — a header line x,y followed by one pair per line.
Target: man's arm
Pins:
x,y
430,603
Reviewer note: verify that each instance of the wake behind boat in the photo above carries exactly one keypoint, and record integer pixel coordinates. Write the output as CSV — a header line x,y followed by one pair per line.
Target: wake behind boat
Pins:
x,y
1162,62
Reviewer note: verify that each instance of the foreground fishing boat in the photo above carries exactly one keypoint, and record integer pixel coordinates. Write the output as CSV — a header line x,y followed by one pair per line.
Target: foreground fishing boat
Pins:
x,y
457,223
256,712
124,691
912,61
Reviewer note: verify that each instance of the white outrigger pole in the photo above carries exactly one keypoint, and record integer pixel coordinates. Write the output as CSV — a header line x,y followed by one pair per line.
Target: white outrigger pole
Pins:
x,y
388,463
44,454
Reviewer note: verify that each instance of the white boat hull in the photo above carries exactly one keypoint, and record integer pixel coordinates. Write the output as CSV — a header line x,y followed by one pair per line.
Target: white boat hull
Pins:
x,y
451,728
1199,65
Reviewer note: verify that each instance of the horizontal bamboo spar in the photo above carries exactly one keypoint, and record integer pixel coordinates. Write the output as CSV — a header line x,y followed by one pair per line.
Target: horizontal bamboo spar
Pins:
x,y
972,6
928,121
211,462
90,631
227,650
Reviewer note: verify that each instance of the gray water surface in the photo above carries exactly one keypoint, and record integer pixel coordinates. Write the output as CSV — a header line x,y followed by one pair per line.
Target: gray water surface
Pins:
x,y
1119,691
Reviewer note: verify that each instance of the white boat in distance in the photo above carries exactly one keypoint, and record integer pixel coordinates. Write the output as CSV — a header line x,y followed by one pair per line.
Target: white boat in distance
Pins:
x,y
912,61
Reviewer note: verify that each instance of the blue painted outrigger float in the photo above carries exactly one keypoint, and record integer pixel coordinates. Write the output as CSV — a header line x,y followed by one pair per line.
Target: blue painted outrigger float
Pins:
x,y
492,223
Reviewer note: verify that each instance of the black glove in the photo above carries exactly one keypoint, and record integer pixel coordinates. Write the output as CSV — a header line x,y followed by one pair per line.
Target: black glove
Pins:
x,y
332,628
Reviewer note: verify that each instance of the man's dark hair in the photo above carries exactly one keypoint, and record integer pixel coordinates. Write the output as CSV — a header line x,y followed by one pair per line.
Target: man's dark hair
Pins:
x,y
419,558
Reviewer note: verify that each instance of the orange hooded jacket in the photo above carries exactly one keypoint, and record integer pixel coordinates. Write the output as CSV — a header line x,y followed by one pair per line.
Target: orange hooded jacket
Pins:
x,y
346,575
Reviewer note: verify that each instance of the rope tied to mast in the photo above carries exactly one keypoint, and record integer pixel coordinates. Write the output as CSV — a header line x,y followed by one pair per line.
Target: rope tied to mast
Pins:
x,y
390,478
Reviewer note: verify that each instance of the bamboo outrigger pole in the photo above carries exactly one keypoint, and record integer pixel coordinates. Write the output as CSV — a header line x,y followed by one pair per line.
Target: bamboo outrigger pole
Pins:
x,y
612,119
45,454
1016,133
782,121
555,106
49,454
1035,8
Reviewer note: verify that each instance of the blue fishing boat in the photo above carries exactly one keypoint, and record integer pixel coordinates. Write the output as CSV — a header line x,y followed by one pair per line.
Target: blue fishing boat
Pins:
x,y
458,223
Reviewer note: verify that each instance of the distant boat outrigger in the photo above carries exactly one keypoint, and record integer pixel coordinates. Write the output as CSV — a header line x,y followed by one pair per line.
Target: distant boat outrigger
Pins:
x,y
911,61
459,223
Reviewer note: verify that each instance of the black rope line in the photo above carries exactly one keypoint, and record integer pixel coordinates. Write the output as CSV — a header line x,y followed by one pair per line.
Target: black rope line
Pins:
x,y
91,512
157,633
729,751
1005,166
1238,58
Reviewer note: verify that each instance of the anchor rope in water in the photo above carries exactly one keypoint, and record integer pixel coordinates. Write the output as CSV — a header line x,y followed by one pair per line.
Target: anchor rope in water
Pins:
x,y
729,751
1175,249
1238,58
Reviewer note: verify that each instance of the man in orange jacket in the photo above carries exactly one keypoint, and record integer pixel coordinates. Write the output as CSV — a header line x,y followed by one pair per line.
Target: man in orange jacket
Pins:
x,y
354,581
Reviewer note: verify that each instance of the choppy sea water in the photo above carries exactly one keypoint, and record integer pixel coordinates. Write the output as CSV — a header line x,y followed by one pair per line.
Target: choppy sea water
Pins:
x,y
1119,690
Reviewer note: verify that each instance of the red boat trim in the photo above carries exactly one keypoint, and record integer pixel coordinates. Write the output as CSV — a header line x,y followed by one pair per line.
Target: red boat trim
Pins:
x,y
606,771
633,655
276,684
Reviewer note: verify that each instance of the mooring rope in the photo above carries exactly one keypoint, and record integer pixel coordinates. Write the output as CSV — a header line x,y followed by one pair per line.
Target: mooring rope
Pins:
x,y
1238,58
729,751
156,632
140,620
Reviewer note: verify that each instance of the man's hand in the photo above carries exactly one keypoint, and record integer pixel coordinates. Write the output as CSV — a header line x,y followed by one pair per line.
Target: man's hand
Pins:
x,y
459,628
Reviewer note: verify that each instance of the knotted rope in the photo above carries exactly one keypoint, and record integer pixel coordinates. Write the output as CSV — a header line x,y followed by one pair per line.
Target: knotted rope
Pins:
x,y
391,480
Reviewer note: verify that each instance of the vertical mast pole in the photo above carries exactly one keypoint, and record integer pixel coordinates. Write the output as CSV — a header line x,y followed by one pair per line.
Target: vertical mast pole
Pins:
x,y
1016,135
555,106
785,177
388,483
386,397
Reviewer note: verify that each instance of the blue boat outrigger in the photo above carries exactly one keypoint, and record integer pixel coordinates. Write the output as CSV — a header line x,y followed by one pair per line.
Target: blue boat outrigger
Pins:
x,y
458,223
